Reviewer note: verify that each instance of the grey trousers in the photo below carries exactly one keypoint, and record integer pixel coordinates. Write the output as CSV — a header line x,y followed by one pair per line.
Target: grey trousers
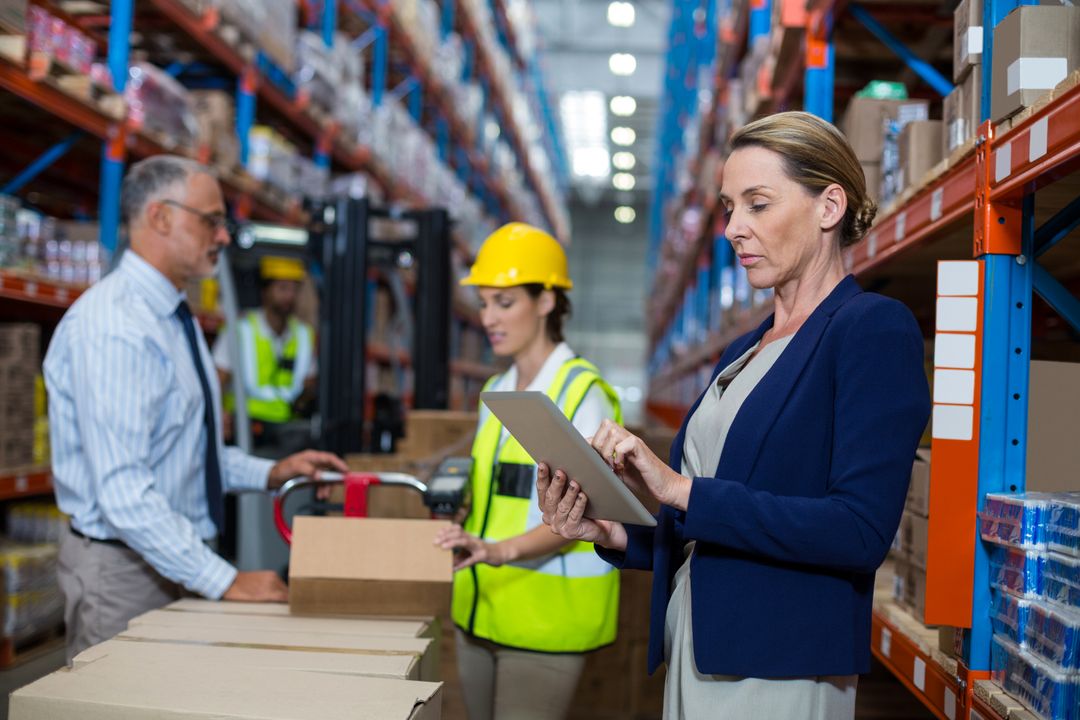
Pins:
x,y
104,587
504,684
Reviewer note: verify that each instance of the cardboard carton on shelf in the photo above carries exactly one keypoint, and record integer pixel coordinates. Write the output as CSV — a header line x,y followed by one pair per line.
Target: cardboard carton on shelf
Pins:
x,y
355,566
967,37
910,588
864,123
918,497
1035,48
914,531
962,111
920,150
114,687
395,666
423,649
872,173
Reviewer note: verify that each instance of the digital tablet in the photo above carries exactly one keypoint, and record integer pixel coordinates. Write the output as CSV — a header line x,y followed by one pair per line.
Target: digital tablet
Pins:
x,y
548,436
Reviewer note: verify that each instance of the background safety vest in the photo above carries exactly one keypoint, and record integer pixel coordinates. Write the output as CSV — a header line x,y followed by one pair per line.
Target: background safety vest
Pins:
x,y
272,382
565,602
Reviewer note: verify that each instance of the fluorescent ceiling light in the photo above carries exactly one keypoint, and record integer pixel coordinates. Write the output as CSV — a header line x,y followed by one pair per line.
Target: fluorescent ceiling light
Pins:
x,y
623,181
624,160
625,214
622,64
621,14
584,123
623,136
623,105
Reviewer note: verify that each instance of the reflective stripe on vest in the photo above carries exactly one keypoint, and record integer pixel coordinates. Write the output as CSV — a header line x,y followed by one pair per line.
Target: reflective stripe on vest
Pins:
x,y
564,602
271,390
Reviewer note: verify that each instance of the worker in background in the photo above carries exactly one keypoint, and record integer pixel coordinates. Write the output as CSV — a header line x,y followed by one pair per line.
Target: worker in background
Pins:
x,y
527,604
277,353
138,458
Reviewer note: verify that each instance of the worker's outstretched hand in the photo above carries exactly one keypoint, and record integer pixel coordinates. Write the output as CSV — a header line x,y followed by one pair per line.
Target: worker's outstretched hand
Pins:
x,y
468,549
563,504
307,463
639,467
257,586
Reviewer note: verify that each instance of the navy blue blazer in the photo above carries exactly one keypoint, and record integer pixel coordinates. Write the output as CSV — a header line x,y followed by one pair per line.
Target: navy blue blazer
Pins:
x,y
805,501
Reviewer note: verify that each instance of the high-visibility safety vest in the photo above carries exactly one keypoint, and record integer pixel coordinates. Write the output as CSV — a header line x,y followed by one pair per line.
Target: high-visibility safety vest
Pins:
x,y
565,602
273,382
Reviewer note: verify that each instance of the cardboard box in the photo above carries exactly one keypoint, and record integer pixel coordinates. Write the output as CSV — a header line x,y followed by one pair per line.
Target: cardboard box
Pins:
x,y
967,37
20,344
910,589
962,111
872,172
947,639
114,687
229,608
354,566
396,666
918,496
13,16
1035,48
914,531
1053,453
920,150
366,627
864,123
428,432
423,650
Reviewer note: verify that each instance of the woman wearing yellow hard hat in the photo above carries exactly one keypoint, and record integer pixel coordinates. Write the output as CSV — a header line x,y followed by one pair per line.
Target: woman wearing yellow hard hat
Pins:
x,y
527,604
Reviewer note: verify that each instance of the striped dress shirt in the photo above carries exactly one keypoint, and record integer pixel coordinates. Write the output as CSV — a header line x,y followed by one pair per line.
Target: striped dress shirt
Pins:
x,y
127,432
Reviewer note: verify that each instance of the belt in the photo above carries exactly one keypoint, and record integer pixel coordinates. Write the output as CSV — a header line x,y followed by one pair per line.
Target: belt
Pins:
x,y
107,541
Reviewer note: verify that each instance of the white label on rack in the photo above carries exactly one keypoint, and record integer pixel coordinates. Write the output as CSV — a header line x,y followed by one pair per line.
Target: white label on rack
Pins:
x,y
1035,73
886,641
954,387
1003,162
1037,139
935,204
954,350
901,226
958,277
950,704
953,422
957,314
62,294
918,674
22,483
31,288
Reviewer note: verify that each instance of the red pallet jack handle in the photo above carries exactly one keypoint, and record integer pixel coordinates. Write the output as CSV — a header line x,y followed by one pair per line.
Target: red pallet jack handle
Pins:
x,y
356,498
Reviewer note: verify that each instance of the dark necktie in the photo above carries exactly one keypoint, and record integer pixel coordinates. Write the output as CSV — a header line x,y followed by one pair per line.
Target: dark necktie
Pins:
x,y
214,499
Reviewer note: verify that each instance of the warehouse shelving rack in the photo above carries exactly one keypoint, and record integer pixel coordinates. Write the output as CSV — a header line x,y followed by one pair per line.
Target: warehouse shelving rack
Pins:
x,y
1009,198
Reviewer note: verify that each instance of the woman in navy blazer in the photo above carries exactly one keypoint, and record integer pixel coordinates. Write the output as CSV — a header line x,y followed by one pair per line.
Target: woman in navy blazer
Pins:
x,y
810,484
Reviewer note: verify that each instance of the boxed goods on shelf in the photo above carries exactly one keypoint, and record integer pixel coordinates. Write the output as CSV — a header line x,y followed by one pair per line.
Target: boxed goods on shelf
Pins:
x,y
920,150
31,601
918,496
1015,569
160,105
909,588
317,76
1015,519
270,25
275,161
1062,579
35,522
1009,614
20,361
215,113
913,536
1053,633
962,111
54,41
967,37
1035,48
866,118
1046,689
892,175
1063,524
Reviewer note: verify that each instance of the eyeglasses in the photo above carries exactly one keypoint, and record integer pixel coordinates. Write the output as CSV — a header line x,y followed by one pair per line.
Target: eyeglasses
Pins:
x,y
213,220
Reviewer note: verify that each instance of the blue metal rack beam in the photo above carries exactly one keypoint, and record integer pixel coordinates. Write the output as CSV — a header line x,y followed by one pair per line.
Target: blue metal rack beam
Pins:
x,y
1057,296
121,15
920,67
329,22
41,163
1058,227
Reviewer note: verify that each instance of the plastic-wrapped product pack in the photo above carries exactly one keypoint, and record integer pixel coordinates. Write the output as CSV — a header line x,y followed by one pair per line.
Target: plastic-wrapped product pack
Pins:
x,y
1061,581
1053,633
1019,520
158,103
32,601
1046,689
1009,614
1016,569
1063,524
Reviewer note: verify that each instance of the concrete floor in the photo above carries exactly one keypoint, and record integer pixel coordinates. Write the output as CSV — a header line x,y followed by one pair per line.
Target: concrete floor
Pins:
x,y
38,665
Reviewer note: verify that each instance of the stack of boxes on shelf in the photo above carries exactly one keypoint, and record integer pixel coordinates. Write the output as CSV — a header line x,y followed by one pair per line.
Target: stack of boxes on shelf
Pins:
x,y
30,600
1034,547
20,363
876,127
60,251
963,106
911,545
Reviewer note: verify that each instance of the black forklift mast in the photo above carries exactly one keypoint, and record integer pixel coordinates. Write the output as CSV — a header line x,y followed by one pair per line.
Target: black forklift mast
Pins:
x,y
348,238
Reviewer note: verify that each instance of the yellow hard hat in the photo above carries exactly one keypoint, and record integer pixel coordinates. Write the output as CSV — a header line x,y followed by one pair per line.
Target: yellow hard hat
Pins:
x,y
520,254
281,268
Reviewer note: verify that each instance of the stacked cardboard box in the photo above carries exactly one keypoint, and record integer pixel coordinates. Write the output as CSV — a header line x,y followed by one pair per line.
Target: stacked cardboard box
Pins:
x,y
962,111
920,150
872,127
1035,48
911,547
215,112
20,362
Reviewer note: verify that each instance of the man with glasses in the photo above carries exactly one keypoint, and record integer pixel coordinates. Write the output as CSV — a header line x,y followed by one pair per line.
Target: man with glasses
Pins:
x,y
134,406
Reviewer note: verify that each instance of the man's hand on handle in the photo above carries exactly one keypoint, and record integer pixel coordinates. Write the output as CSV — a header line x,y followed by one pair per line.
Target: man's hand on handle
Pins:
x,y
307,463
257,586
